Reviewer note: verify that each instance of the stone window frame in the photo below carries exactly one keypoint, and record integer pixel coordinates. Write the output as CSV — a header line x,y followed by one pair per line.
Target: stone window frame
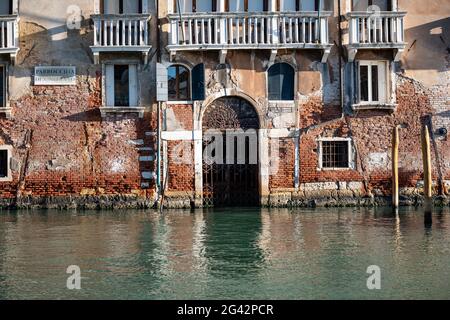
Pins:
x,y
382,82
389,102
8,149
294,84
105,108
181,102
351,154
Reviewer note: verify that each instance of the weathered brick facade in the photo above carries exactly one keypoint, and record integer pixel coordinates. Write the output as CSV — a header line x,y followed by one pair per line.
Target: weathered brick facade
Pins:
x,y
69,150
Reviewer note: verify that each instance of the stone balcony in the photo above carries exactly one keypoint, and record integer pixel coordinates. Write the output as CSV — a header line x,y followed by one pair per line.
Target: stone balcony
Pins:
x,y
263,30
9,35
376,30
121,33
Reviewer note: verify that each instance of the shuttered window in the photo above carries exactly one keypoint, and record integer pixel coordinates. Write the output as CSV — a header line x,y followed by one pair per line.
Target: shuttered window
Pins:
x,y
178,83
121,85
372,81
281,82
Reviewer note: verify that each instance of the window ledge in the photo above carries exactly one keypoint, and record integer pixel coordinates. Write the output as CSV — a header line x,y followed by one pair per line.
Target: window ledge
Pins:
x,y
6,112
180,102
374,106
118,110
336,169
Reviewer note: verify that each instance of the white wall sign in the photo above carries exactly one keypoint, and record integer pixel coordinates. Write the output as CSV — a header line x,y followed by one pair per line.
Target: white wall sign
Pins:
x,y
55,76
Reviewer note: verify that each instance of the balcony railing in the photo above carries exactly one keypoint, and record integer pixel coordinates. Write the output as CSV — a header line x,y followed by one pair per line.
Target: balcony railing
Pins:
x,y
9,34
248,30
379,30
121,32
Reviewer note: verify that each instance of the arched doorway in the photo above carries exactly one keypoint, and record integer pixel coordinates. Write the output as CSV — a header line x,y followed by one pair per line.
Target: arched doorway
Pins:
x,y
230,154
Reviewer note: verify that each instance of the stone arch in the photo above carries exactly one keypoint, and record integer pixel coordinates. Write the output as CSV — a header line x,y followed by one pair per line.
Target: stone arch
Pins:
x,y
231,173
224,93
230,112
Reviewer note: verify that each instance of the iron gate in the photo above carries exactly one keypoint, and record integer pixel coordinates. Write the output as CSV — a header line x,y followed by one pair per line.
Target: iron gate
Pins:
x,y
230,179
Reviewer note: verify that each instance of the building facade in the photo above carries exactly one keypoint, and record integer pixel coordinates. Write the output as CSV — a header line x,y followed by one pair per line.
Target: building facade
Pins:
x,y
191,103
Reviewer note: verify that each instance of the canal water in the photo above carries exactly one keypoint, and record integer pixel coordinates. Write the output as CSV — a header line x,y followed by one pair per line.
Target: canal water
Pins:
x,y
225,254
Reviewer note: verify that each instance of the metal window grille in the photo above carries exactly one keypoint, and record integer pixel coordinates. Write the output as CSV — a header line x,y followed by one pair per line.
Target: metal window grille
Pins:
x,y
335,154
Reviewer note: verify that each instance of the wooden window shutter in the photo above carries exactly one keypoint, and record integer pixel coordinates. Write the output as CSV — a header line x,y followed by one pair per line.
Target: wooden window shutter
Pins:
x,y
357,83
133,78
109,87
198,82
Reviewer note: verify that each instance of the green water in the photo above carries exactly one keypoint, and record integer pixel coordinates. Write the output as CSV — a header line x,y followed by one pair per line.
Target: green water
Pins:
x,y
225,254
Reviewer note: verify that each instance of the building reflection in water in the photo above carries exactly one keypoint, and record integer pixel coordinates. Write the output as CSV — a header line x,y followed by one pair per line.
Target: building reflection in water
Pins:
x,y
220,253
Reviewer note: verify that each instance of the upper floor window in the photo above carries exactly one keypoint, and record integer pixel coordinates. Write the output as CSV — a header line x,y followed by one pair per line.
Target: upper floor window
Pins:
x,y
213,5
6,7
121,85
195,5
363,5
178,83
372,82
281,79
121,6
181,81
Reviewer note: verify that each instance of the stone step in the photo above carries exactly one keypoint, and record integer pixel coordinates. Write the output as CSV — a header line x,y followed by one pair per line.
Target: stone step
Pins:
x,y
147,158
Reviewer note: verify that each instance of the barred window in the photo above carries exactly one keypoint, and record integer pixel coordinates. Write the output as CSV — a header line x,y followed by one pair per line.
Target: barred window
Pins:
x,y
335,154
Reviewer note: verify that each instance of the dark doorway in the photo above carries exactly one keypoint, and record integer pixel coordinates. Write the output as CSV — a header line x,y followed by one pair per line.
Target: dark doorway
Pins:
x,y
230,154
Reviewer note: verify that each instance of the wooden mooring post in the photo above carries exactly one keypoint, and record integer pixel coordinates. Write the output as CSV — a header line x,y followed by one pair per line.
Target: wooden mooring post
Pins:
x,y
395,143
427,177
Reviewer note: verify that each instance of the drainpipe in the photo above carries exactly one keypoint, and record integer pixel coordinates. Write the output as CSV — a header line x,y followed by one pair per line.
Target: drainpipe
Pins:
x,y
158,113
341,49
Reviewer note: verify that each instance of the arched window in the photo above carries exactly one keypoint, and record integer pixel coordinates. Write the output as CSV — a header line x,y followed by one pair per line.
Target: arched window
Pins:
x,y
281,82
178,83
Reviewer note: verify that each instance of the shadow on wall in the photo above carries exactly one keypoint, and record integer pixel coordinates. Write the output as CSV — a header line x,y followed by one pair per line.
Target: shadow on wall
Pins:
x,y
55,46
427,46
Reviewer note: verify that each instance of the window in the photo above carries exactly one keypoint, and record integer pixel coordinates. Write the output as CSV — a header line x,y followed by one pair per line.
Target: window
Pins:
x,y
5,156
121,85
195,5
178,83
363,5
288,5
281,82
310,5
372,82
121,6
335,154
6,7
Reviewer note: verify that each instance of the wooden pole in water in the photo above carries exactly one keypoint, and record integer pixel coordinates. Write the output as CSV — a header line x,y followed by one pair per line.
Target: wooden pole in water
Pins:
x,y
395,143
426,156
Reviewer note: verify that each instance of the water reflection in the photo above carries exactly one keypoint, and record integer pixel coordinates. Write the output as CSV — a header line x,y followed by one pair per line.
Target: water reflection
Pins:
x,y
240,253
